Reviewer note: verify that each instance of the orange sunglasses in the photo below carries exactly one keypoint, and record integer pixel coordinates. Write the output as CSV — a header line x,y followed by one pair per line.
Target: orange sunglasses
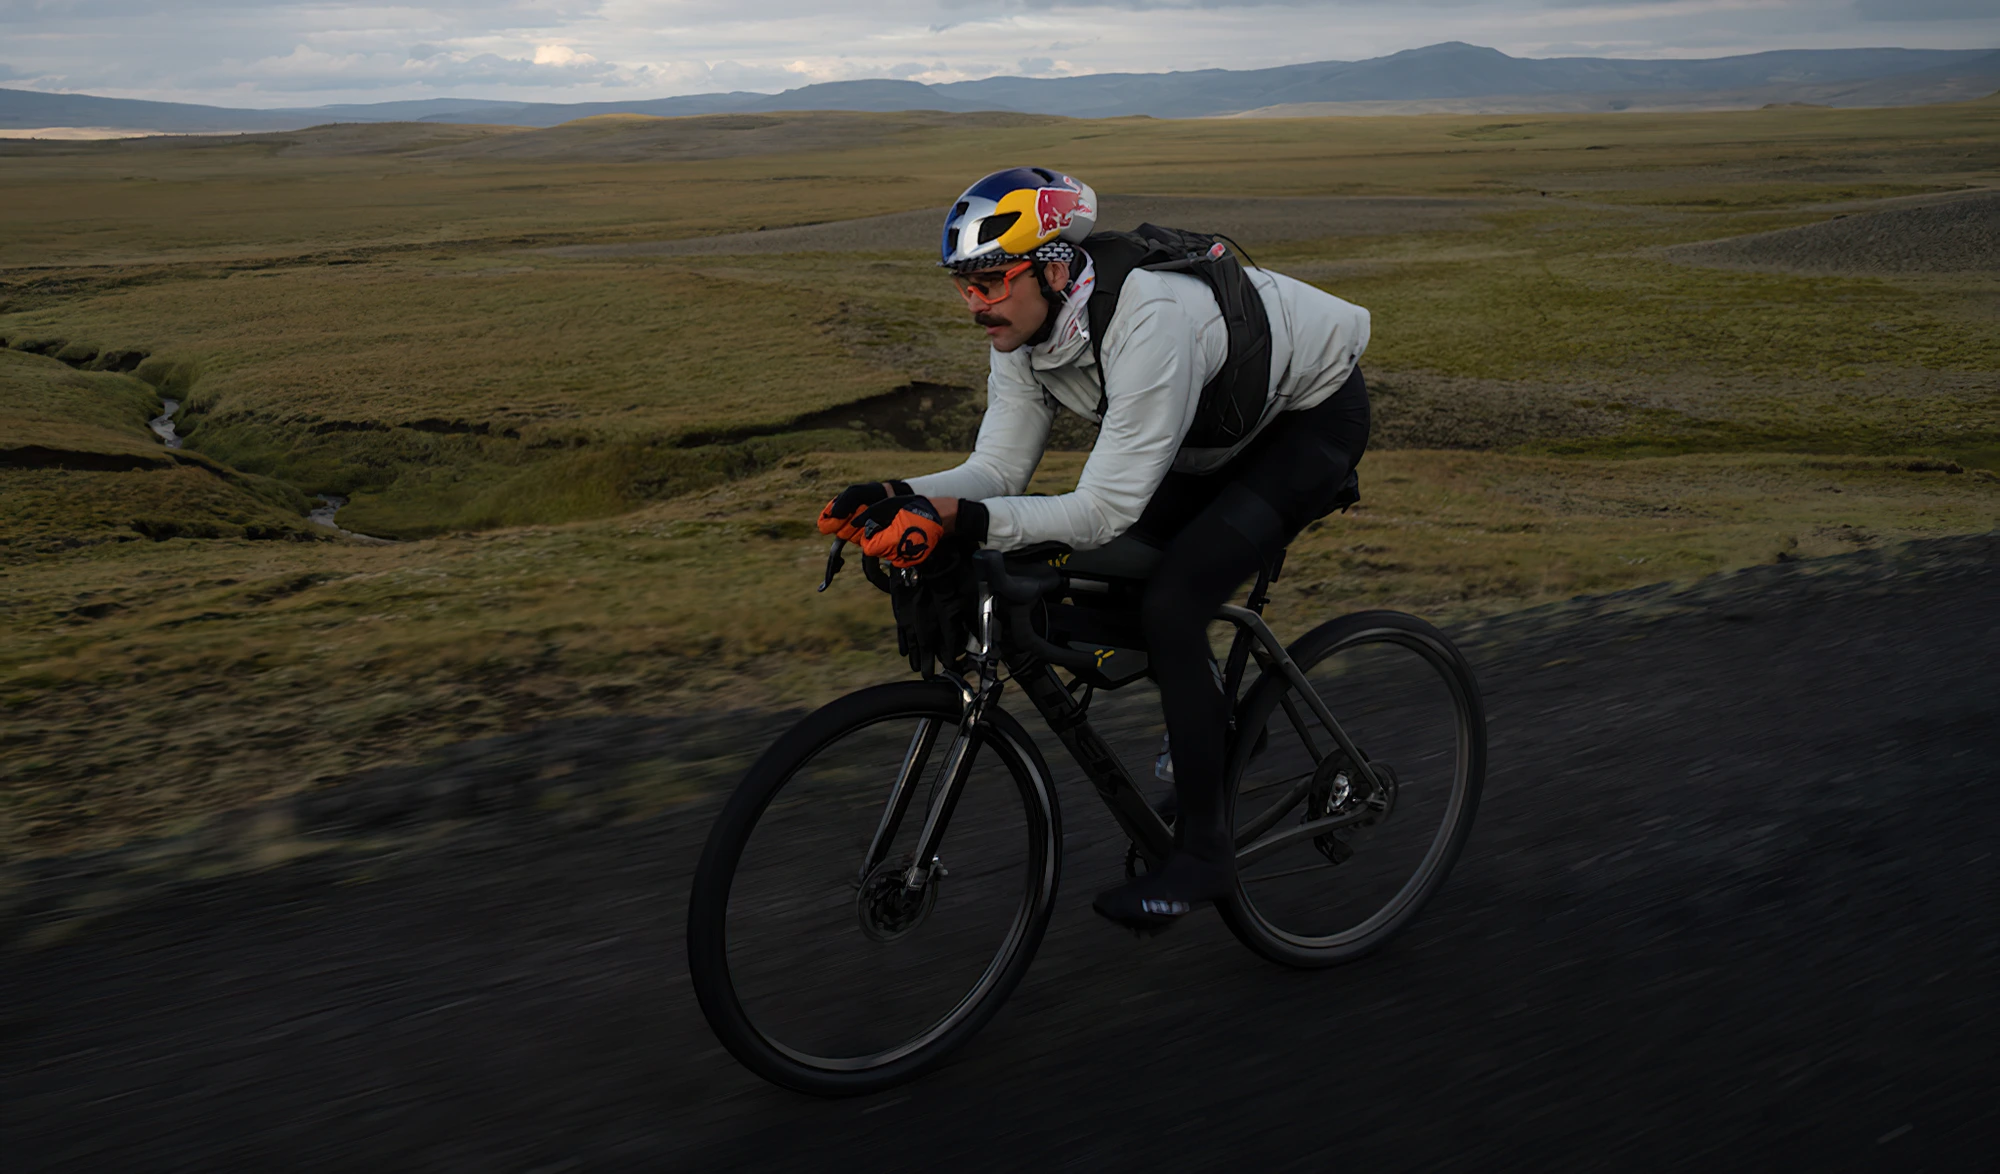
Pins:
x,y
977,286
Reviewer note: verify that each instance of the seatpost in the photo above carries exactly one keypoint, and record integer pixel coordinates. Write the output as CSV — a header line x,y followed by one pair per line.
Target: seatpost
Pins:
x,y
1239,647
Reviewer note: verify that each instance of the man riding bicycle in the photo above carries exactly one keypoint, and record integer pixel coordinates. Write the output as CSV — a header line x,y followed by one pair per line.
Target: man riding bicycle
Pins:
x,y
1217,496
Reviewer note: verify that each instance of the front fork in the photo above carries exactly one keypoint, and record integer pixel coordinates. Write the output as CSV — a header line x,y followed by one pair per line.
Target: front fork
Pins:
x,y
979,698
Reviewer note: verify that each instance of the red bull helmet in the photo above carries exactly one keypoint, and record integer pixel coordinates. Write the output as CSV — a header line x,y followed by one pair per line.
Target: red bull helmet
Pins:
x,y
1022,212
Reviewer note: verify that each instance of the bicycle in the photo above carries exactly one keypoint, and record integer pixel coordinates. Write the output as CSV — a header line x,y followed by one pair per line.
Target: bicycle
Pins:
x,y
839,947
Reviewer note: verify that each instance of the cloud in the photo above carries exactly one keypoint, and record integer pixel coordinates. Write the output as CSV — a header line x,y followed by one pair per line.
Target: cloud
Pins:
x,y
297,52
1900,10
1044,66
1215,5
309,70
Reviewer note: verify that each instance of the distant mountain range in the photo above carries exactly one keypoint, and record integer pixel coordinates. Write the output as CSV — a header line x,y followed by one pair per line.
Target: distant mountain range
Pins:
x,y
1448,76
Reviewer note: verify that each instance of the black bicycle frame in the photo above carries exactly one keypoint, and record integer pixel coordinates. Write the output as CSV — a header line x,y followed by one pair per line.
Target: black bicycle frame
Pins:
x,y
1068,719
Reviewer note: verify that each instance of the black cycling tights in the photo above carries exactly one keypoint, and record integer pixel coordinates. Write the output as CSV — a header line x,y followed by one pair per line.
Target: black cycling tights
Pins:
x,y
1219,530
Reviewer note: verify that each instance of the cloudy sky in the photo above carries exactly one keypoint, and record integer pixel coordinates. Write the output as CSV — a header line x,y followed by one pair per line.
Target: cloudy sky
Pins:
x,y
264,53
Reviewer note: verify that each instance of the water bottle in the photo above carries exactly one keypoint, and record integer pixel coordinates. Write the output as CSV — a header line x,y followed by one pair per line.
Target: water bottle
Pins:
x,y
1163,763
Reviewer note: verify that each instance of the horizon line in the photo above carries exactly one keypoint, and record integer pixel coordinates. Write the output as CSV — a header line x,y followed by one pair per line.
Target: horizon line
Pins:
x,y
656,97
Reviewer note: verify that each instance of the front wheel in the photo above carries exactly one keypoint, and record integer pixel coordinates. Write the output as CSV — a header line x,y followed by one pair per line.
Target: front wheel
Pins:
x,y
1334,860
822,959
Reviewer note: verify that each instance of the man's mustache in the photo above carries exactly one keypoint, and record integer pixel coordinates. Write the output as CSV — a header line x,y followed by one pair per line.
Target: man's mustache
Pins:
x,y
985,319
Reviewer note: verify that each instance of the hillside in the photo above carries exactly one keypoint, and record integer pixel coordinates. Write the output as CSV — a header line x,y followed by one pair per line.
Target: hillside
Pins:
x,y
598,379
1474,78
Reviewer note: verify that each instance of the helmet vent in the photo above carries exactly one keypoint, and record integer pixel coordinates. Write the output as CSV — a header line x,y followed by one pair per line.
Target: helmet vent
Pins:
x,y
1047,175
996,226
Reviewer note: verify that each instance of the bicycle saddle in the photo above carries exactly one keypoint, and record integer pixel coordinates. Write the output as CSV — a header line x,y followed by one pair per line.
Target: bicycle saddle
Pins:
x,y
1124,557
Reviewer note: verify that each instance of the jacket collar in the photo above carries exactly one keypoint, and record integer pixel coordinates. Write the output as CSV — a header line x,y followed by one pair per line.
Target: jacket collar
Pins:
x,y
1071,336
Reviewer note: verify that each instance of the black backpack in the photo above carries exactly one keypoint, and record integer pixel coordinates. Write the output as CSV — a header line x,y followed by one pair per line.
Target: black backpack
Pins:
x,y
1233,401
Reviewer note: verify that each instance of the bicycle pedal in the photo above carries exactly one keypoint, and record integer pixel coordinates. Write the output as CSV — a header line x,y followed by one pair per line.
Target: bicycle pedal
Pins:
x,y
1146,933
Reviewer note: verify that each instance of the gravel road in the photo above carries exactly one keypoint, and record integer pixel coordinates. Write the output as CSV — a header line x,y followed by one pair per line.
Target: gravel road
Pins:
x,y
1730,904
1959,233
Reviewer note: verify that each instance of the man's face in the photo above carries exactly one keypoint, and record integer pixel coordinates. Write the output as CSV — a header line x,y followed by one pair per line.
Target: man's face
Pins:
x,y
1017,309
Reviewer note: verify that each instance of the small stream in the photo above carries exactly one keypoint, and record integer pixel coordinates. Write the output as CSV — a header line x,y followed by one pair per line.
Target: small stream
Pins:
x,y
163,424
330,504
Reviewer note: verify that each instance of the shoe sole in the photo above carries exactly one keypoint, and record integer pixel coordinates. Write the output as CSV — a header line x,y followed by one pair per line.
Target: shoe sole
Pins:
x,y
1153,926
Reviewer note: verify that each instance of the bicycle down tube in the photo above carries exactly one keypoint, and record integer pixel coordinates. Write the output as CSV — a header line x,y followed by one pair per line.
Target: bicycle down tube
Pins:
x,y
1069,721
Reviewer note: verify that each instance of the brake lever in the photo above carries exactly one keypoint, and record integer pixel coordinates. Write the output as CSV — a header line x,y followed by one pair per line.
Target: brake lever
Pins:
x,y
833,563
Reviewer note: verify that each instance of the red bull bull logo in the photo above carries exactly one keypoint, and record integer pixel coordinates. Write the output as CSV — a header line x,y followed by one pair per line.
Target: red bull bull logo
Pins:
x,y
1056,207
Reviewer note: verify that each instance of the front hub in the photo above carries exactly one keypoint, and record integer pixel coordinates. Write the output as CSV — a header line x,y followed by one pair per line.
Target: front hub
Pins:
x,y
887,907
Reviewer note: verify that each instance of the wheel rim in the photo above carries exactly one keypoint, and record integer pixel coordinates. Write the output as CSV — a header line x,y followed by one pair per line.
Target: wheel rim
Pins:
x,y
835,971
1399,697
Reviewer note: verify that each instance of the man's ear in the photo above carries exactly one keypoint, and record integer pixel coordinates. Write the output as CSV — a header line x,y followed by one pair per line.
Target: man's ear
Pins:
x,y
1056,273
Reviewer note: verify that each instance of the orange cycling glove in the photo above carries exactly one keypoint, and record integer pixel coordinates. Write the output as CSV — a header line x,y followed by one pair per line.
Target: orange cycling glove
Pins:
x,y
842,516
901,531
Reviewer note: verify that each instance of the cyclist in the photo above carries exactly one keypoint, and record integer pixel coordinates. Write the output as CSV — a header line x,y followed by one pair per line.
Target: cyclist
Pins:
x,y
1016,245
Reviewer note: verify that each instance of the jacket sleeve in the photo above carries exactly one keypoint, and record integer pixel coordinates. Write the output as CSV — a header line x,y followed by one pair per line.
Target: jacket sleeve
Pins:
x,y
1154,359
1012,435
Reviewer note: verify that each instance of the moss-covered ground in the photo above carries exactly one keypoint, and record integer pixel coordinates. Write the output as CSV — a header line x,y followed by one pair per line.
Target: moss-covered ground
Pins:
x,y
605,466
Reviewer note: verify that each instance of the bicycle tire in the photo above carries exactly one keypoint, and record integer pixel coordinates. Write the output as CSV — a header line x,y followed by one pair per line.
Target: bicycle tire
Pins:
x,y
708,904
1240,911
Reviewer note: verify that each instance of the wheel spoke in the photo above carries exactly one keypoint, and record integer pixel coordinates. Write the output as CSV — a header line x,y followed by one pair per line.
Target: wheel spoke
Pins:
x,y
1262,787
1322,866
1299,786
1301,724
1393,685
824,981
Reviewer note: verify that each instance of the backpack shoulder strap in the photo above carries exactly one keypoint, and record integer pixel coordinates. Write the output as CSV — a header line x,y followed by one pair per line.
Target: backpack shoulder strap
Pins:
x,y
1234,400
1114,255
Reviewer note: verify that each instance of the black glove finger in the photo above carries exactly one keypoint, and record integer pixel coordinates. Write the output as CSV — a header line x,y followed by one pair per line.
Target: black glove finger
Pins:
x,y
883,511
856,497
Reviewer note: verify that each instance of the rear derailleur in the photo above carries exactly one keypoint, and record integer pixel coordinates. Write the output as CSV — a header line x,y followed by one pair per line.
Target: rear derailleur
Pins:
x,y
1341,792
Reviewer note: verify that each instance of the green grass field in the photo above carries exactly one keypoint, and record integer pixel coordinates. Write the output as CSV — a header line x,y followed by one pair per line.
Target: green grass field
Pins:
x,y
604,467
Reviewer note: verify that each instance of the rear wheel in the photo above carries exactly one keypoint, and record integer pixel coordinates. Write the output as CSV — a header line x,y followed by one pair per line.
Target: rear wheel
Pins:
x,y
817,960
1334,860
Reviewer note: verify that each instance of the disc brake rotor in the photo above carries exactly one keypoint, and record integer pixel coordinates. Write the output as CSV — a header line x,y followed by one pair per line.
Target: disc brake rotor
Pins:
x,y
887,908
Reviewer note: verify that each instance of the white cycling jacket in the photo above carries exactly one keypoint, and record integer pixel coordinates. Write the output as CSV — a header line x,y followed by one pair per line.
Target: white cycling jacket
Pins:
x,y
1164,344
